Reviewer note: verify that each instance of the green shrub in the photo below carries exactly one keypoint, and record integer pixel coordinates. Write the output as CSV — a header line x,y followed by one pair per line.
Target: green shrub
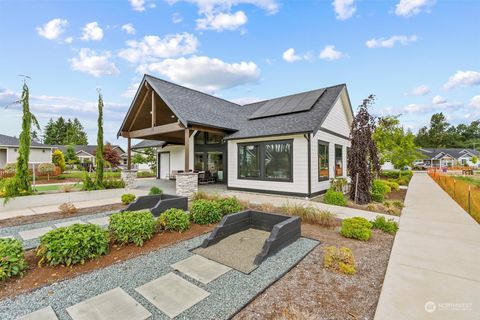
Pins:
x,y
338,184
12,262
398,204
128,198
87,183
380,186
404,181
339,260
206,211
73,244
113,183
356,228
145,174
229,205
393,185
378,197
396,174
174,219
132,227
334,197
155,191
381,223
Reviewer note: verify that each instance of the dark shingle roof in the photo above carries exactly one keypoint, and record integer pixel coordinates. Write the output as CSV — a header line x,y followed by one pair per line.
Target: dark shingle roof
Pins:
x,y
431,153
194,107
148,144
14,142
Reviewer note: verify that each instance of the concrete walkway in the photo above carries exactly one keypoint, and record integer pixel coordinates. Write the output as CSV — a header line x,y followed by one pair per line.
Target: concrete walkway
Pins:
x,y
434,267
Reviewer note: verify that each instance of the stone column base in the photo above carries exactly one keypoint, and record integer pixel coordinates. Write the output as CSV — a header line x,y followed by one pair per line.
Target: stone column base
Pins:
x,y
129,176
186,184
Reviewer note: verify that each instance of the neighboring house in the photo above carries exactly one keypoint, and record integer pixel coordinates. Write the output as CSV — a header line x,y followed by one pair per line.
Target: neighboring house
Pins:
x,y
39,153
86,153
139,147
289,145
449,157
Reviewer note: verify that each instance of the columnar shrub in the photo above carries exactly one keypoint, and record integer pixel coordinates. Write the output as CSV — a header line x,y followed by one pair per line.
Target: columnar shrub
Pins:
x,y
73,244
174,219
128,198
206,211
334,197
229,205
357,228
132,227
12,258
381,223
339,260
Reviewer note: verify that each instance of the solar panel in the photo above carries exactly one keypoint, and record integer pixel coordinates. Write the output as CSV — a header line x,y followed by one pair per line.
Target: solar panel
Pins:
x,y
289,104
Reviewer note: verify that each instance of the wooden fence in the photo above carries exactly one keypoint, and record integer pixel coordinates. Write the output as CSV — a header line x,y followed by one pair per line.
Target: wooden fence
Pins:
x,y
56,172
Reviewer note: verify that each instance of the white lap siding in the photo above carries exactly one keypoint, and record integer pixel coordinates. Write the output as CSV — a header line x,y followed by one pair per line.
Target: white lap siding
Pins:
x,y
300,165
177,155
318,186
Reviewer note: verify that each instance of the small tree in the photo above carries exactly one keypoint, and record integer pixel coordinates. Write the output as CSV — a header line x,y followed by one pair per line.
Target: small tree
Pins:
x,y
151,158
363,160
70,155
111,155
100,162
46,169
58,159
474,160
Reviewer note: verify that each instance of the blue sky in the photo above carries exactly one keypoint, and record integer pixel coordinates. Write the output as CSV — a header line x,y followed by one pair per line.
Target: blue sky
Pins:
x,y
417,56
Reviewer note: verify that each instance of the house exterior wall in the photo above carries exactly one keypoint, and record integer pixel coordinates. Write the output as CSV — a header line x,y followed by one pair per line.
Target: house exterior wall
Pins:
x,y
177,155
320,186
37,155
337,120
300,168
3,158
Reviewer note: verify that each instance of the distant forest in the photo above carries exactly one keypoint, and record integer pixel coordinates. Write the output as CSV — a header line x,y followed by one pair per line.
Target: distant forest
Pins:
x,y
440,134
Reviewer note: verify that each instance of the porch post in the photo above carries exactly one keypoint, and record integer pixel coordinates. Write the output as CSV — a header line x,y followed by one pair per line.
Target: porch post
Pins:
x,y
187,149
129,154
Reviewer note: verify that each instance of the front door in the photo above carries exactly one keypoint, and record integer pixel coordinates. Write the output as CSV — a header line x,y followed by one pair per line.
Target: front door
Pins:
x,y
164,165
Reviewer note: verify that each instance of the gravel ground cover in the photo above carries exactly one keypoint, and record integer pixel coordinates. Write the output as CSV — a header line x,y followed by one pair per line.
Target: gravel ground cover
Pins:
x,y
229,293
33,243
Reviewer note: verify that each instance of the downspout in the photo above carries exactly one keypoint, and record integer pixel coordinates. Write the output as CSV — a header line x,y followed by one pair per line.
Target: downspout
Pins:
x,y
309,164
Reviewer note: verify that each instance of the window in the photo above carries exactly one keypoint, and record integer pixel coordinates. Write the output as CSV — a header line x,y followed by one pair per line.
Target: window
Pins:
x,y
271,160
199,161
200,138
278,160
338,161
323,173
213,138
249,161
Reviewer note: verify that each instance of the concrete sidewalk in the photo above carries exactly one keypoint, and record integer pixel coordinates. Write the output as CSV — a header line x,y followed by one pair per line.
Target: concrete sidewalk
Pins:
x,y
434,267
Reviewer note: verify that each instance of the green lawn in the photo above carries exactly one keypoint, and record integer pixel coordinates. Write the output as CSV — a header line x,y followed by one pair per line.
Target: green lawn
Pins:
x,y
54,187
79,175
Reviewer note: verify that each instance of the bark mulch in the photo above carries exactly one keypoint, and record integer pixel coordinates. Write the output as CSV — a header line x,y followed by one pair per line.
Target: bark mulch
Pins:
x,y
17,221
309,291
36,277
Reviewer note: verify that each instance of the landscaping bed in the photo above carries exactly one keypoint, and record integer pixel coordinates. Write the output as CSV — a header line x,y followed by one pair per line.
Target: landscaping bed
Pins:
x,y
16,221
317,293
37,277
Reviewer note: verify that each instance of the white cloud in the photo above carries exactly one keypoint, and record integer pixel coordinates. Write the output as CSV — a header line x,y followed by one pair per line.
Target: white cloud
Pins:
x,y
463,78
245,100
8,97
128,28
141,5
177,18
439,100
53,29
329,53
390,42
344,9
204,73
209,6
154,47
419,91
290,56
92,31
409,8
222,21
97,65
131,90
475,102
434,107
68,39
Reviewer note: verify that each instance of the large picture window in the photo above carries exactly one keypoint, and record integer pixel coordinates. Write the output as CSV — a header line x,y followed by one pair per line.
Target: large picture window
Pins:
x,y
249,161
272,160
323,168
338,161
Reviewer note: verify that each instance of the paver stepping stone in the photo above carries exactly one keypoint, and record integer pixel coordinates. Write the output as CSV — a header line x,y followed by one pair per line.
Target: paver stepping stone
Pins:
x,y
68,223
200,268
42,314
34,233
100,221
172,294
115,304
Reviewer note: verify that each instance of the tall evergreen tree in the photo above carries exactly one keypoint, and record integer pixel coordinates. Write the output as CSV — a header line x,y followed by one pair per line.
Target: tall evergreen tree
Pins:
x,y
363,156
28,119
63,132
99,152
